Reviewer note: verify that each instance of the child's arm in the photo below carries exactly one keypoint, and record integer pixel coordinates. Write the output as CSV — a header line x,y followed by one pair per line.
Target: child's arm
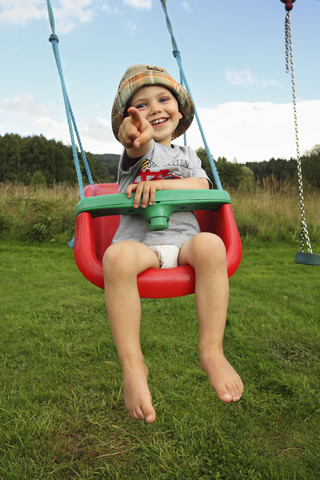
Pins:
x,y
135,134
146,191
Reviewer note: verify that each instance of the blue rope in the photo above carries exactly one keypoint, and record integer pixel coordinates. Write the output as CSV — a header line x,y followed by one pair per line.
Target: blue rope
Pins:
x,y
70,117
177,55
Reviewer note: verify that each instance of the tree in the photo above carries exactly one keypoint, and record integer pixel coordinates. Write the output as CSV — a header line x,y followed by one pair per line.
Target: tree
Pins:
x,y
232,175
311,167
38,179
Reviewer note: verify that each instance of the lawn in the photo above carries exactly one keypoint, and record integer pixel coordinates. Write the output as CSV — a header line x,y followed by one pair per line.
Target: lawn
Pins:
x,y
62,411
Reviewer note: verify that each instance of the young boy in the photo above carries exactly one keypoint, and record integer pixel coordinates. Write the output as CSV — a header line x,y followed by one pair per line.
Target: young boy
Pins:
x,y
151,109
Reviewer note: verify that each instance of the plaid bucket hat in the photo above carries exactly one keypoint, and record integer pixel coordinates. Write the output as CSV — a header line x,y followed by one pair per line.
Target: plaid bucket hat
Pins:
x,y
139,76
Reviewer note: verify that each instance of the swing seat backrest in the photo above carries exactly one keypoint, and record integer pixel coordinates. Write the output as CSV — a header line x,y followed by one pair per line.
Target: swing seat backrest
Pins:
x,y
94,235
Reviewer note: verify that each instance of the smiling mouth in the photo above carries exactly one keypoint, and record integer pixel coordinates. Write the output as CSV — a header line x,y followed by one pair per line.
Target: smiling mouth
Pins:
x,y
159,121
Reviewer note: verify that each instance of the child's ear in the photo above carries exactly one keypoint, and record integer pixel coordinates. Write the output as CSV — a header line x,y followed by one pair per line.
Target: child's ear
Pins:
x,y
180,115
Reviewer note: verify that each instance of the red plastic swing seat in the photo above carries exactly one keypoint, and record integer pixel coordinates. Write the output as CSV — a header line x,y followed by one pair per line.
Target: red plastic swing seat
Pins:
x,y
94,235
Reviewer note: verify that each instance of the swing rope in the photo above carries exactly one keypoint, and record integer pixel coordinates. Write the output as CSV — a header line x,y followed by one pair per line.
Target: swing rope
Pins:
x,y
73,129
301,257
177,56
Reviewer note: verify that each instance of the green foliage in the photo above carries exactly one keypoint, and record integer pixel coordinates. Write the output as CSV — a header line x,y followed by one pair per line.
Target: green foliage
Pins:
x,y
43,221
232,175
280,171
35,216
285,171
38,178
104,166
4,224
61,403
311,167
35,160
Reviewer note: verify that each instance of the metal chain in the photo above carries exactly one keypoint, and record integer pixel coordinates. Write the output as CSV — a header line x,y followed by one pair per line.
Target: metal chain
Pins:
x,y
304,238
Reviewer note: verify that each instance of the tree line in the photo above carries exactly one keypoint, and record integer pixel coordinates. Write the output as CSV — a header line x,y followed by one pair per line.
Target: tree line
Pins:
x,y
276,171
35,160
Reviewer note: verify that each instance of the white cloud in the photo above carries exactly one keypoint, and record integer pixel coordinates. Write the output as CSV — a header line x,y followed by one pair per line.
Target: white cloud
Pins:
x,y
97,136
245,78
96,129
131,27
139,3
67,13
95,133
26,116
185,6
50,128
21,12
242,77
241,130
72,11
22,106
110,10
268,83
257,131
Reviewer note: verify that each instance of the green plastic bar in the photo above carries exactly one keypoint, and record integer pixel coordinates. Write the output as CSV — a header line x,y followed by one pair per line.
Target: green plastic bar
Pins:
x,y
157,215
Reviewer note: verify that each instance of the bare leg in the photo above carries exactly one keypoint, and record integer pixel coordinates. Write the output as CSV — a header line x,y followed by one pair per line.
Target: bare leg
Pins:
x,y
122,262
206,253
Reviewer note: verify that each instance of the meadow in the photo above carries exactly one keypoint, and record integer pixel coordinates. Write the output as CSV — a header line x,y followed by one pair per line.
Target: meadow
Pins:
x,y
61,409
270,212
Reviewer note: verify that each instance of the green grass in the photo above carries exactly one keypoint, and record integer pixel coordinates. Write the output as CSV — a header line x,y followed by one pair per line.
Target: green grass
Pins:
x,y
62,411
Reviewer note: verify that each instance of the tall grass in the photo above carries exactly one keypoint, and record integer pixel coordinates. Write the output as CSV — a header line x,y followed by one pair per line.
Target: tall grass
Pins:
x,y
268,212
37,213
271,211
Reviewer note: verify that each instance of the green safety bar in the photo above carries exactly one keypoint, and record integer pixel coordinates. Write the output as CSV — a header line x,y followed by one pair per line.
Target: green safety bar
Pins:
x,y
157,215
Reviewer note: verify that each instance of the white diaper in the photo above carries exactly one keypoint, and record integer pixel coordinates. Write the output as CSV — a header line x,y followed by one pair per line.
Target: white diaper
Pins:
x,y
168,255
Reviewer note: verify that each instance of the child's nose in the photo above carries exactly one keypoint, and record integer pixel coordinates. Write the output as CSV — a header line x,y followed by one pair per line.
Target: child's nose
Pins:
x,y
156,107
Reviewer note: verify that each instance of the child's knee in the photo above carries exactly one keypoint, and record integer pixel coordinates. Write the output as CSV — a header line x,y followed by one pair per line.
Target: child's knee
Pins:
x,y
117,259
208,247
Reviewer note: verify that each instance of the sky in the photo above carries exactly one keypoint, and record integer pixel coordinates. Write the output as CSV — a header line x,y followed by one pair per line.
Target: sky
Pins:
x,y
233,54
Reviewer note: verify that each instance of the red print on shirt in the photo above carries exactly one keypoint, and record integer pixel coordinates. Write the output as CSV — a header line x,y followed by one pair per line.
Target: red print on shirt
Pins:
x,y
149,175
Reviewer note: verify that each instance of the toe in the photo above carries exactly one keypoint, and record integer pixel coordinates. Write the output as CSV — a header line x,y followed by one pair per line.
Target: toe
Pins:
x,y
150,416
229,393
224,395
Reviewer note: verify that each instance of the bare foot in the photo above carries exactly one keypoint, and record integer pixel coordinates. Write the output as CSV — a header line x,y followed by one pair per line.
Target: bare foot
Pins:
x,y
137,395
222,376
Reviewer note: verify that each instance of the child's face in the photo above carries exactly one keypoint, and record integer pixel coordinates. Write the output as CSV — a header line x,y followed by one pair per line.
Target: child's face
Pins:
x,y
159,106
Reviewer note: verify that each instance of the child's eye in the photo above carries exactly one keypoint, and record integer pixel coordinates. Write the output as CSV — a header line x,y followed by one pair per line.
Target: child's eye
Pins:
x,y
164,99
141,105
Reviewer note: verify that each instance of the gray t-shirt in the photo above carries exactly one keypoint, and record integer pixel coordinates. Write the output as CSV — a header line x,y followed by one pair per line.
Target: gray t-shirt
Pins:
x,y
160,162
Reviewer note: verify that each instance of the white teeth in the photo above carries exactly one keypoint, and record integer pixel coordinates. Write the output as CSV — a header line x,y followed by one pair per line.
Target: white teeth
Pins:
x,y
156,122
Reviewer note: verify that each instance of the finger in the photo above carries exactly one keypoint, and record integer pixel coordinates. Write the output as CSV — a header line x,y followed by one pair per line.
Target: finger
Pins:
x,y
141,140
145,136
128,133
131,188
135,116
137,188
145,196
152,195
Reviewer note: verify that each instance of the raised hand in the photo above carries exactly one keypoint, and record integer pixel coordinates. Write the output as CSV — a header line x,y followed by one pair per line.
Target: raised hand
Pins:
x,y
135,133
